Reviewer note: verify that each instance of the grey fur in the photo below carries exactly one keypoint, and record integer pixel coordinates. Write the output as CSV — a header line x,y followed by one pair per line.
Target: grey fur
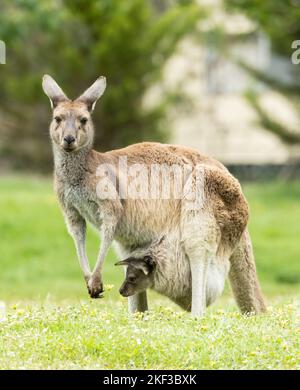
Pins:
x,y
171,276
212,232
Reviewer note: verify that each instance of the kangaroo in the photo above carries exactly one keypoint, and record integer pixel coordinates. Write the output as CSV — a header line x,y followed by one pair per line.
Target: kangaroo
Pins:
x,y
164,268
217,227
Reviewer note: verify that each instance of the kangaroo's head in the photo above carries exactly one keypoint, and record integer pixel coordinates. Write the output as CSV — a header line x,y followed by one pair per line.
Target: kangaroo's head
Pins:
x,y
72,128
139,275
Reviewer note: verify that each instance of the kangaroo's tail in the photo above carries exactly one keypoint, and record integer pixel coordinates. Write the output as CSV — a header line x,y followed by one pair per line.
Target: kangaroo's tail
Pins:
x,y
243,278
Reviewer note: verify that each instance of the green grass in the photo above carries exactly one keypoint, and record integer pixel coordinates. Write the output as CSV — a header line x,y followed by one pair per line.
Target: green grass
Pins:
x,y
92,336
51,322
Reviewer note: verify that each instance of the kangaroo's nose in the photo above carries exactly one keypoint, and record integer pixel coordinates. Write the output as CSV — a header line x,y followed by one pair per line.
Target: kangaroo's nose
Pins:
x,y
69,139
122,290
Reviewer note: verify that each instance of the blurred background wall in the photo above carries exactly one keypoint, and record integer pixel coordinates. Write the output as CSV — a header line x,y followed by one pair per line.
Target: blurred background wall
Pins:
x,y
213,74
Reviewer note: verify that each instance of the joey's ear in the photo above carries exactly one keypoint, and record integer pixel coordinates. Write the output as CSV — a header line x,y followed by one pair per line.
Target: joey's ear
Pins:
x,y
128,261
122,262
92,94
145,264
150,262
53,91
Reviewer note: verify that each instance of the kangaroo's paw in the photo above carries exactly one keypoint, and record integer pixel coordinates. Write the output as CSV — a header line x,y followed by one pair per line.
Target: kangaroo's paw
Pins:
x,y
95,287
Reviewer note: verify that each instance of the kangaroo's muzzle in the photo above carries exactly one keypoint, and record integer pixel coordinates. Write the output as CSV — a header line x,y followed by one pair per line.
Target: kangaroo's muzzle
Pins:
x,y
69,143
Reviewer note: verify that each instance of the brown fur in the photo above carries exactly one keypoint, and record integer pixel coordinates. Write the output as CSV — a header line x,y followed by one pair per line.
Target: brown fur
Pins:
x,y
215,230
243,278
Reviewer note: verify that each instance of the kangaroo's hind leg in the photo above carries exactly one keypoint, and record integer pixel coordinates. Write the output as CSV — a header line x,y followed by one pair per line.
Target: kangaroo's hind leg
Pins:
x,y
243,278
138,303
199,267
200,240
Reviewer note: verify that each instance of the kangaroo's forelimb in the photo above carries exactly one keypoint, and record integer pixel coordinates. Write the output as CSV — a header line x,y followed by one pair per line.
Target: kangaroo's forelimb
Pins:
x,y
77,228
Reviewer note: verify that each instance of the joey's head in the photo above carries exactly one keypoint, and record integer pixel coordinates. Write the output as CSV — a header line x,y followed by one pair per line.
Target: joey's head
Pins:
x,y
139,275
72,128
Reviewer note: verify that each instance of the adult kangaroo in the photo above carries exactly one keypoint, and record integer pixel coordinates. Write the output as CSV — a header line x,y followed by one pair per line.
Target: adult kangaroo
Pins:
x,y
217,227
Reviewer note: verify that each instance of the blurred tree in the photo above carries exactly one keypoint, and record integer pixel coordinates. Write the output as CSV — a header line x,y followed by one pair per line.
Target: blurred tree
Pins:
x,y
279,20
76,41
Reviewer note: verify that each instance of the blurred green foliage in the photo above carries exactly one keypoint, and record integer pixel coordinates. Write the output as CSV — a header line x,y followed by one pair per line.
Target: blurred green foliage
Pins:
x,y
76,41
279,20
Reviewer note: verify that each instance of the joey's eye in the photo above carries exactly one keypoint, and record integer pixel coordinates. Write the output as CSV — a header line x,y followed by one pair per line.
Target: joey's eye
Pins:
x,y
131,279
83,121
57,119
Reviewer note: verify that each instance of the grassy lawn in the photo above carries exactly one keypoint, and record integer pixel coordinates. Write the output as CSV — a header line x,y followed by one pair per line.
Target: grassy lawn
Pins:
x,y
51,323
89,336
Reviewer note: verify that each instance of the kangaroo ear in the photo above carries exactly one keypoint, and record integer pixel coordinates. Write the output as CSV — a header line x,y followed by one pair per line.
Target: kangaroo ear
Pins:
x,y
145,264
126,261
142,265
92,94
149,261
53,91
122,262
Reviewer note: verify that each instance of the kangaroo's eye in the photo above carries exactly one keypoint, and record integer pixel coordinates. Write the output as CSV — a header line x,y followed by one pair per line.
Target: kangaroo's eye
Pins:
x,y
83,121
131,279
57,119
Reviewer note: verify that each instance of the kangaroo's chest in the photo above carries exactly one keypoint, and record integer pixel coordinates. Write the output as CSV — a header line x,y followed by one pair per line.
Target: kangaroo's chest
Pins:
x,y
85,203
